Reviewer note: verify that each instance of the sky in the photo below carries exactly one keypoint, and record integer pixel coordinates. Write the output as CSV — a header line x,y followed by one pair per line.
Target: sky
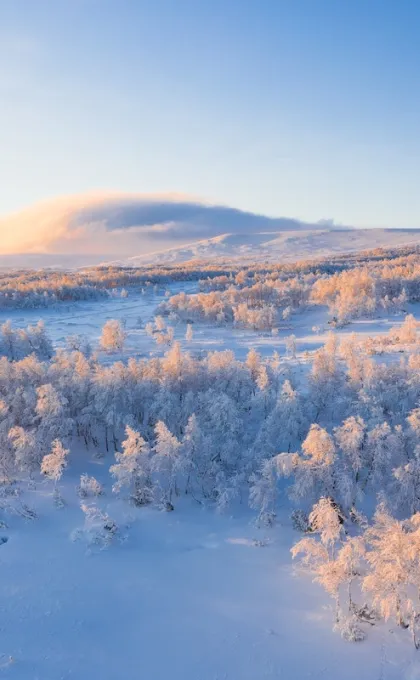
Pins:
x,y
302,108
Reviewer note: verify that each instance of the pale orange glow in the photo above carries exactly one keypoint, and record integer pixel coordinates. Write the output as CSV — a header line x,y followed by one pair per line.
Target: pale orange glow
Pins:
x,y
48,227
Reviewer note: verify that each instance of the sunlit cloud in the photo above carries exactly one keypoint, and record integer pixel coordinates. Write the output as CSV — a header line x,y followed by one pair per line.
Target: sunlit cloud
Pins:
x,y
122,224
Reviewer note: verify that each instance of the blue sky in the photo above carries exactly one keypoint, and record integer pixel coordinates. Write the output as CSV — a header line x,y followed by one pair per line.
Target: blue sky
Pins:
x,y
304,108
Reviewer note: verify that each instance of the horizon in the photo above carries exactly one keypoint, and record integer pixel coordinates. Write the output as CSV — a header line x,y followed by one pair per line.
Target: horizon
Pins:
x,y
146,227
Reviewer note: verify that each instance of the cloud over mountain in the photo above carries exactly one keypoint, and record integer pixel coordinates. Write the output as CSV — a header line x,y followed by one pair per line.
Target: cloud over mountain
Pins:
x,y
128,224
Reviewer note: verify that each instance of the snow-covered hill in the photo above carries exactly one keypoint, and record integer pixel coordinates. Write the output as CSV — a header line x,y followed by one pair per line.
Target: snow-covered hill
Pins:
x,y
282,245
119,225
279,246
141,229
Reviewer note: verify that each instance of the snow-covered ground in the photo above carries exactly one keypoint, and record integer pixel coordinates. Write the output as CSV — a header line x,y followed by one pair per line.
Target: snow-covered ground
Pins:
x,y
190,595
87,319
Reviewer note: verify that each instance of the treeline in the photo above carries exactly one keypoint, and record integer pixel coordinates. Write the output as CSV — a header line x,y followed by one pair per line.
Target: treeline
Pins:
x,y
261,300
377,279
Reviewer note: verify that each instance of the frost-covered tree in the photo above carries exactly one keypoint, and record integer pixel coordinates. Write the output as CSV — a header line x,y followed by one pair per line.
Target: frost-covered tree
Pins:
x,y
53,465
325,520
327,384
286,313
349,565
291,346
160,323
351,439
99,531
320,555
226,491
394,558
113,336
384,450
27,452
166,463
407,488
38,341
149,329
79,343
192,453
413,421
89,487
263,492
189,333
132,470
263,380
253,362
284,426
331,344
51,417
313,471
9,341
407,333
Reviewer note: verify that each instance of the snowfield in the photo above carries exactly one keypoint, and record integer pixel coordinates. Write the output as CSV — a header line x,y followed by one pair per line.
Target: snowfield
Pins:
x,y
187,595
111,586
280,246
86,319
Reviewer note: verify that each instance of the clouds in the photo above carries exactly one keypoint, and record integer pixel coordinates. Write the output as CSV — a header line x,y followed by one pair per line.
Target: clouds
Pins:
x,y
177,219
128,224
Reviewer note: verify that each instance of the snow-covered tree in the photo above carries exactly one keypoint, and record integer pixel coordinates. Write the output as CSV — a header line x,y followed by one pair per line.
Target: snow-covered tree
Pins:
x,y
54,463
384,449
99,531
113,336
38,341
394,578
189,333
287,313
284,426
132,469
253,362
263,492
407,489
337,576
166,463
89,487
351,438
327,384
160,323
79,343
313,471
320,555
27,452
192,452
407,333
291,346
9,341
51,417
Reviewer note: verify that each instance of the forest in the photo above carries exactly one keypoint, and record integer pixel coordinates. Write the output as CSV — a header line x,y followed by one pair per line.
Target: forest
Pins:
x,y
332,435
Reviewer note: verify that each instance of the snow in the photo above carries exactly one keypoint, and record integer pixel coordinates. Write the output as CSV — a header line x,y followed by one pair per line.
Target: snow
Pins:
x,y
188,596
88,318
120,224
280,246
136,229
